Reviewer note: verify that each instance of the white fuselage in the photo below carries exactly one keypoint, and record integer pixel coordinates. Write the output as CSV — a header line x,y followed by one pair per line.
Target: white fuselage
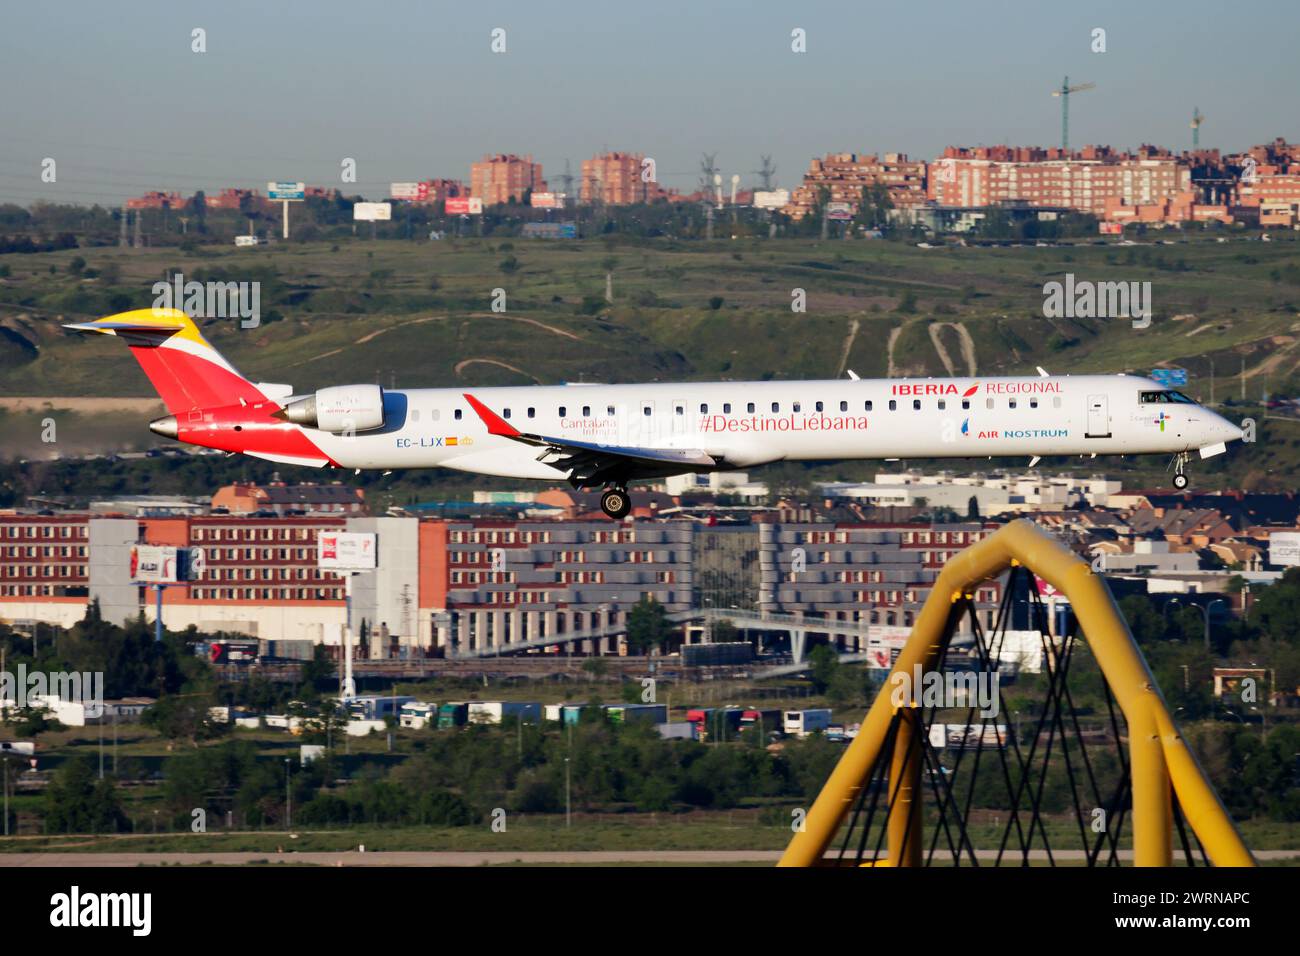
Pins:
x,y
744,424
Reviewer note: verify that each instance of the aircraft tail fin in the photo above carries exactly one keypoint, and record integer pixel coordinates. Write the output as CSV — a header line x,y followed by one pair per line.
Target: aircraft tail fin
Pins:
x,y
186,371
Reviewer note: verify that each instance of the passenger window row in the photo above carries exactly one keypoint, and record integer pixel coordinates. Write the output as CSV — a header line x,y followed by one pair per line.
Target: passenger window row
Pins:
x,y
647,409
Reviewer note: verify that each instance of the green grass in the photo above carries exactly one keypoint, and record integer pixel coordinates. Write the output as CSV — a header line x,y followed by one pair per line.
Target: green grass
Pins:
x,y
367,312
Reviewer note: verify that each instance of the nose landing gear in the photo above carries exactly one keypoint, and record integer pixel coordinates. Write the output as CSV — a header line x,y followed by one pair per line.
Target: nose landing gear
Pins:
x,y
616,502
1180,463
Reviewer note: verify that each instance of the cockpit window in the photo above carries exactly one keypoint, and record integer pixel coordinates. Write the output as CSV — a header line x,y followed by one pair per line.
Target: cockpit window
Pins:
x,y
1165,397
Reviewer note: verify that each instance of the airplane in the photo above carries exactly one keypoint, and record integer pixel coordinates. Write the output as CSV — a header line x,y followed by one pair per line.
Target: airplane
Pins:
x,y
609,436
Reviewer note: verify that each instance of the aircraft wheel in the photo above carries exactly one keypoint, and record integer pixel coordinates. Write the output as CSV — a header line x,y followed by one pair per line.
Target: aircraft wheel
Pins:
x,y
616,503
1180,482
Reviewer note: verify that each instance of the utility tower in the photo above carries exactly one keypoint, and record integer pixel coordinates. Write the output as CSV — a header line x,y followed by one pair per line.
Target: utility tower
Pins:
x,y
1064,93
708,170
567,180
765,173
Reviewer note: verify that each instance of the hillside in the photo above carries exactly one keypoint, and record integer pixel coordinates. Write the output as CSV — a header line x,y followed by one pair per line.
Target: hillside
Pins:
x,y
419,314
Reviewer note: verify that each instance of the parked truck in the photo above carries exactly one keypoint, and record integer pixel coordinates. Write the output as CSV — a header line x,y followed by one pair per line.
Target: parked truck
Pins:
x,y
452,715
801,723
417,714
634,713
376,707
772,719
494,711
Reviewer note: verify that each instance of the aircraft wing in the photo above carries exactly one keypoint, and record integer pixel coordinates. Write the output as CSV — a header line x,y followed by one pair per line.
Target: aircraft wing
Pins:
x,y
592,462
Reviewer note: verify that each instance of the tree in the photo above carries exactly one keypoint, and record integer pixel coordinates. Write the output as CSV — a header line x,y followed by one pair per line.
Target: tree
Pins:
x,y
75,802
973,508
647,625
825,665
183,716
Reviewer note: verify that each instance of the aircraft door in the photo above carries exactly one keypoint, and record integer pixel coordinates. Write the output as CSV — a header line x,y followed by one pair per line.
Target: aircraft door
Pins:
x,y
648,425
681,417
1098,417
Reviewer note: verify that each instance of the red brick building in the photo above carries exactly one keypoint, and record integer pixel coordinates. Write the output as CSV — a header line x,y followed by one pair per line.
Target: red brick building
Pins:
x,y
1086,179
156,200
504,177
615,179
845,175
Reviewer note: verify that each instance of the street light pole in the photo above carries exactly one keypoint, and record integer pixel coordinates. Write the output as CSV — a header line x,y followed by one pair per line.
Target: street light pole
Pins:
x,y
288,798
568,812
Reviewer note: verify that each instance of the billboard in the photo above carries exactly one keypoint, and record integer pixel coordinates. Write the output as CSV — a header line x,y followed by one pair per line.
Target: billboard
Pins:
x,y
771,199
155,564
345,551
545,200
286,190
372,211
884,641
1284,548
1110,228
465,206
839,211
413,191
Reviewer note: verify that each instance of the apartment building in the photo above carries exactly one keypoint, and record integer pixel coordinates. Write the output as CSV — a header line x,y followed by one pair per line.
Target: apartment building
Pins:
x,y
1085,180
505,177
615,179
845,175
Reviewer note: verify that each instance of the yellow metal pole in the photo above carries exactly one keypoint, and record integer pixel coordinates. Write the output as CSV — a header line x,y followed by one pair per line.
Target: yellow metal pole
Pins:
x,y
903,827
1158,754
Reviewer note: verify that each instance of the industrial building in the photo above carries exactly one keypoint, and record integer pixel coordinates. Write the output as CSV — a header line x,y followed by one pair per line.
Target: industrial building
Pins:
x,y
448,587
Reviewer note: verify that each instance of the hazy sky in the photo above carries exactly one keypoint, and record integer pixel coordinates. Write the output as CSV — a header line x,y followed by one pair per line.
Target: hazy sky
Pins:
x,y
113,92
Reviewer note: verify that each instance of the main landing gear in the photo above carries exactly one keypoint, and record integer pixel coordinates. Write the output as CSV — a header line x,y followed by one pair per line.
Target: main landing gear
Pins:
x,y
616,502
1180,463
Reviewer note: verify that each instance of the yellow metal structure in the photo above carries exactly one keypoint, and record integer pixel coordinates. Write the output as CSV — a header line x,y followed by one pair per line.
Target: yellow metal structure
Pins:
x,y
1158,755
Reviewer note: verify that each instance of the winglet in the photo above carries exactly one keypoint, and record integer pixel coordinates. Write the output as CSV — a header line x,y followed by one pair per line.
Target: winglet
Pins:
x,y
496,425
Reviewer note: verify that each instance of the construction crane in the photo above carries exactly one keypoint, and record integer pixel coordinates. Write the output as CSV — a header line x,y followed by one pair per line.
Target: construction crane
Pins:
x,y
1197,120
1064,93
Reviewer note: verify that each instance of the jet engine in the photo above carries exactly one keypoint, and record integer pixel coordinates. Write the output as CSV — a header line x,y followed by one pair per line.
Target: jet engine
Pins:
x,y
342,409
